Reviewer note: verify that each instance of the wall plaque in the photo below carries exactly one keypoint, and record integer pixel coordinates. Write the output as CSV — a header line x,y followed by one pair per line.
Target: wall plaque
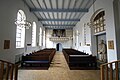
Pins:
x,y
111,44
6,44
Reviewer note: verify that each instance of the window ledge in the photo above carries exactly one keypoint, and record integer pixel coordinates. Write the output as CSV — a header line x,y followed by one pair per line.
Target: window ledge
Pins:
x,y
100,33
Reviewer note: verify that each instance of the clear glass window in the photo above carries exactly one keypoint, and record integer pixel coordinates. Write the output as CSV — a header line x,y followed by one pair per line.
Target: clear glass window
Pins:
x,y
20,31
99,22
40,37
34,34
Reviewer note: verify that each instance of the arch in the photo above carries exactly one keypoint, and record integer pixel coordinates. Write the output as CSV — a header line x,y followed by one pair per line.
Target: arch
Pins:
x,y
95,38
59,47
40,36
34,34
20,29
95,13
21,15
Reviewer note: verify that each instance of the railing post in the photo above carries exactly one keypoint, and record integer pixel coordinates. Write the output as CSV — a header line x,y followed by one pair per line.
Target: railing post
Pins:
x,y
7,71
11,71
16,72
1,70
116,69
102,72
111,72
107,72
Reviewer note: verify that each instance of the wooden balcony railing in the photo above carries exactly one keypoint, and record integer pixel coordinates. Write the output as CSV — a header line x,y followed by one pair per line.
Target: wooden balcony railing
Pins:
x,y
110,71
8,71
60,38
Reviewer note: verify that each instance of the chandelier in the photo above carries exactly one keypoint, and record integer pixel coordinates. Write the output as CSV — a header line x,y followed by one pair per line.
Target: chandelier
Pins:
x,y
23,23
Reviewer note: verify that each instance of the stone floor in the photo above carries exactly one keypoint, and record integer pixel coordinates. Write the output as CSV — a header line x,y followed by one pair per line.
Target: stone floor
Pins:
x,y
59,70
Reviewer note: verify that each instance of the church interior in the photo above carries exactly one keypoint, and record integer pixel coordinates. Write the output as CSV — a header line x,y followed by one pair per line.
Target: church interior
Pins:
x,y
59,40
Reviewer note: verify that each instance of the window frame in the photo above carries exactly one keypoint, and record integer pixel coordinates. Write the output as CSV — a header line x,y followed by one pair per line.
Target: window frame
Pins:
x,y
99,22
34,26
40,37
20,31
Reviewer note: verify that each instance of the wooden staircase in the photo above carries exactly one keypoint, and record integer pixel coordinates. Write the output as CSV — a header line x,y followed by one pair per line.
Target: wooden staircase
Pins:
x,y
8,71
110,71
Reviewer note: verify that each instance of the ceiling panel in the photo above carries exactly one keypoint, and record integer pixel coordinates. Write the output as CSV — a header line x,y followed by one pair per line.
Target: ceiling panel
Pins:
x,y
72,4
72,16
47,2
47,15
41,3
78,3
60,4
68,15
51,15
42,14
38,15
55,15
54,3
36,4
76,16
59,13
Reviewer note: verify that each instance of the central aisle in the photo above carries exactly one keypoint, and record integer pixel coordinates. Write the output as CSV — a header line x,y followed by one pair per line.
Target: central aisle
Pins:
x,y
59,70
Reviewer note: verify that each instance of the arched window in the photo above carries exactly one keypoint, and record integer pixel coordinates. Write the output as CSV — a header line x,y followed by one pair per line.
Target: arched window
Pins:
x,y
20,30
44,38
40,37
99,22
34,34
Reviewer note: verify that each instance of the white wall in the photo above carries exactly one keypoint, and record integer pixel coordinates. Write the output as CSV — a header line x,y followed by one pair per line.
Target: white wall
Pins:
x,y
117,25
107,5
8,14
80,27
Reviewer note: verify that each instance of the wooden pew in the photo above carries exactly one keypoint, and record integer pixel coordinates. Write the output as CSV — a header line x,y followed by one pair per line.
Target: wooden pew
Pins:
x,y
35,61
80,60
38,59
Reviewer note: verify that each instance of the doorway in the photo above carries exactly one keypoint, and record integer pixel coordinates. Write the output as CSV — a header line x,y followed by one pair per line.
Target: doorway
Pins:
x,y
59,47
103,38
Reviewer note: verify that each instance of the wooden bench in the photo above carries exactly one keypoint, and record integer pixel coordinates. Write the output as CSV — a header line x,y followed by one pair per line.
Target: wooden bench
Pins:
x,y
77,59
39,59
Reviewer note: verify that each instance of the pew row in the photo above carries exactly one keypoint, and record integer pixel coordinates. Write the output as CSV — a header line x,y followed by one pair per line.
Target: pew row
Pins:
x,y
79,60
41,58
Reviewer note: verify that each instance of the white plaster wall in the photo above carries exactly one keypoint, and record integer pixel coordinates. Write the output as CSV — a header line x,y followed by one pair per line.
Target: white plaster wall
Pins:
x,y
80,27
49,44
8,14
107,5
117,25
110,29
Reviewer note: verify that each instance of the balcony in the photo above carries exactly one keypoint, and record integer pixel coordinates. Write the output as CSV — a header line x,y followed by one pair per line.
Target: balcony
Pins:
x,y
60,39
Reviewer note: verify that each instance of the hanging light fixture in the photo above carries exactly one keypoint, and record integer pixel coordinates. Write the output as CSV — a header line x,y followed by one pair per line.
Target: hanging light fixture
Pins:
x,y
23,23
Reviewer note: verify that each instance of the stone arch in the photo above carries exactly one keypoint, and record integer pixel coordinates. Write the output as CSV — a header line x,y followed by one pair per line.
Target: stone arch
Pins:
x,y
96,13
